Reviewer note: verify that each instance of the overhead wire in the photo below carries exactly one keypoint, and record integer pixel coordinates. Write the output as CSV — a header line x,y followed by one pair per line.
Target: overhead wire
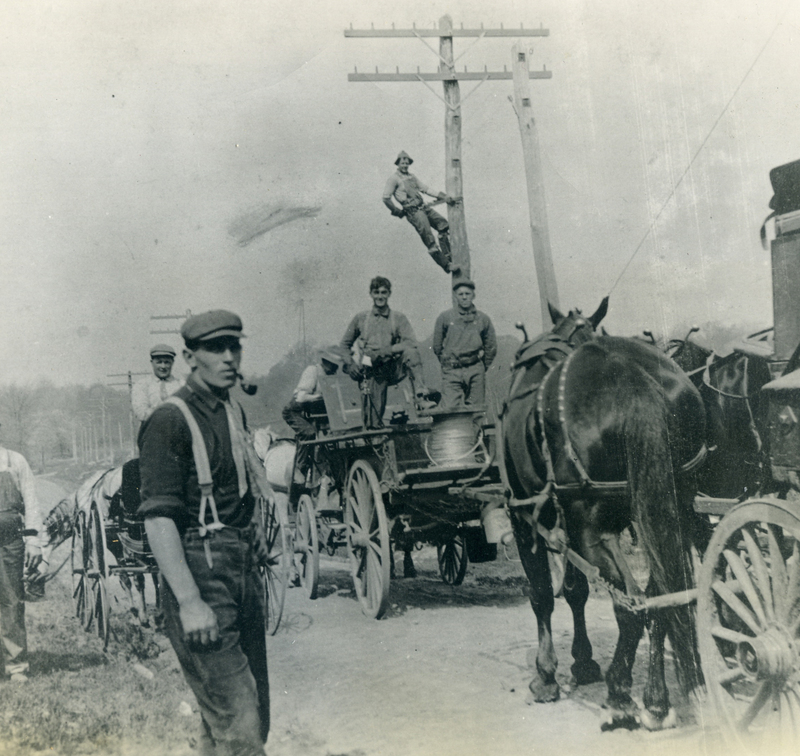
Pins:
x,y
698,151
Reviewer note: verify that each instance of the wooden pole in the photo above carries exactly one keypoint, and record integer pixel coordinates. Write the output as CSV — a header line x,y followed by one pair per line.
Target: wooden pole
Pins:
x,y
454,185
537,204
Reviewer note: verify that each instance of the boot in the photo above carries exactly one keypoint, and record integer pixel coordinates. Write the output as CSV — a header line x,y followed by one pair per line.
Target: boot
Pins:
x,y
440,259
444,243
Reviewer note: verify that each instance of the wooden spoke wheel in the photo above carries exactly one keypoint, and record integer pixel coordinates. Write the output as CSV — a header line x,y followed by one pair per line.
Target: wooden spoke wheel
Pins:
x,y
367,539
748,616
275,573
306,546
452,556
90,572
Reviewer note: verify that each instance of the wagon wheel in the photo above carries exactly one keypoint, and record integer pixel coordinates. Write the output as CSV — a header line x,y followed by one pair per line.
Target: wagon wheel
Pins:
x,y
452,557
306,546
275,573
90,572
367,539
749,625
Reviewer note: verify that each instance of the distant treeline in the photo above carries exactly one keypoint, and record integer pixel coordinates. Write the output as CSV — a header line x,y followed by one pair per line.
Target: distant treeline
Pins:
x,y
92,426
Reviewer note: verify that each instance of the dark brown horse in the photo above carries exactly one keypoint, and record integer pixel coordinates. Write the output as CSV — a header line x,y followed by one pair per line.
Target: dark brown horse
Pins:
x,y
605,429
730,387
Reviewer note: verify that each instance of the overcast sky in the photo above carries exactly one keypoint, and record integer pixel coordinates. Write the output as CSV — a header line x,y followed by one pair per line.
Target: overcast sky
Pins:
x,y
138,139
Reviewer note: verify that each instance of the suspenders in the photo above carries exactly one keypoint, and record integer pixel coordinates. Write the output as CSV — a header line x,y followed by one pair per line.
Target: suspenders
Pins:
x,y
203,476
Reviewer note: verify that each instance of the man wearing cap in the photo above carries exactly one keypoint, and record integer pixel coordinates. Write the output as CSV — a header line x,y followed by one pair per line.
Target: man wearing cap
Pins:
x,y
149,392
407,189
201,519
465,343
20,552
307,399
381,350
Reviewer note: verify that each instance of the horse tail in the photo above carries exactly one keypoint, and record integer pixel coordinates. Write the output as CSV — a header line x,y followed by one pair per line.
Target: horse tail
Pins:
x,y
662,504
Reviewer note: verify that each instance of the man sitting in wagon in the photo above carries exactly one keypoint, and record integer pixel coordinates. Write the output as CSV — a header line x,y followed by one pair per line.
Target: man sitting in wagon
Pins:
x,y
380,351
307,400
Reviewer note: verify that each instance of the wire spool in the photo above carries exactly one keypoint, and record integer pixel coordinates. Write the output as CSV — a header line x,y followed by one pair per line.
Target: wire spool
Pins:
x,y
454,438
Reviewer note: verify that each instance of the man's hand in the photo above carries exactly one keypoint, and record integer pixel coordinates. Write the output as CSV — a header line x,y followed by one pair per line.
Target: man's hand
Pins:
x,y
398,213
33,557
199,622
354,371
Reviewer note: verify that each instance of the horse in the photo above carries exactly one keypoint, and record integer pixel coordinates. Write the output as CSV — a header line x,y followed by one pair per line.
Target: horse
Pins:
x,y
736,417
600,433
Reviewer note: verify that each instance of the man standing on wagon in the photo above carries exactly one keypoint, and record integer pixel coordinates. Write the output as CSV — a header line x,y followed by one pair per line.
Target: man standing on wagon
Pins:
x,y
380,350
407,189
465,343
199,487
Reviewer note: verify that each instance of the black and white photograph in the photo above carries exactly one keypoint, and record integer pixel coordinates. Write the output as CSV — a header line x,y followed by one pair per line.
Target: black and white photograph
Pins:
x,y
412,379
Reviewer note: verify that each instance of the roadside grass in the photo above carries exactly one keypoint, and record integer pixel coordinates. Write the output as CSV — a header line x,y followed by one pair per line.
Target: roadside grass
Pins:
x,y
81,700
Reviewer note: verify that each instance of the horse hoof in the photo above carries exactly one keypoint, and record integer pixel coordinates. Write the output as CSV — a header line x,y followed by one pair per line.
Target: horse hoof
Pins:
x,y
653,722
544,692
616,719
586,673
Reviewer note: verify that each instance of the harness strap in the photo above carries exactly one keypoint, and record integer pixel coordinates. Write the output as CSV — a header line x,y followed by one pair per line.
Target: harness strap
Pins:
x,y
204,478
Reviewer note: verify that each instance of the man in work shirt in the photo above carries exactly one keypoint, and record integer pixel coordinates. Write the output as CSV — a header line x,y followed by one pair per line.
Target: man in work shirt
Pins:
x,y
149,392
20,552
407,189
385,352
466,345
205,540
307,398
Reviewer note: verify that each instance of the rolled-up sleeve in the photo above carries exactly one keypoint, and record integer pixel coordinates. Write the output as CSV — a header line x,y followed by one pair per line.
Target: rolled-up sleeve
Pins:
x,y
489,342
165,463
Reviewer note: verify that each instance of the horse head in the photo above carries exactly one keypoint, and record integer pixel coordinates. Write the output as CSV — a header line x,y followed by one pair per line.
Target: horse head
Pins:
x,y
574,328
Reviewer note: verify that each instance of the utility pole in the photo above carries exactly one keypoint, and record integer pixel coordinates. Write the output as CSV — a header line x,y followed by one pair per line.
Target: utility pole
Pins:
x,y
129,383
537,205
450,78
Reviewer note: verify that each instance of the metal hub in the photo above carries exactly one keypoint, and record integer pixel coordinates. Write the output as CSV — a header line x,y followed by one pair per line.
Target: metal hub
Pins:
x,y
769,656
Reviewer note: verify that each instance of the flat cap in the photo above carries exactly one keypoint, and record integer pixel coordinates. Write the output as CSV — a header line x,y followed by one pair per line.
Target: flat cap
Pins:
x,y
212,325
332,355
162,350
464,282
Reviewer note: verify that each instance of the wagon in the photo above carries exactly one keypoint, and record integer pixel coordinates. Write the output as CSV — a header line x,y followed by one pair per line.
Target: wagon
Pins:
x,y
422,478
109,539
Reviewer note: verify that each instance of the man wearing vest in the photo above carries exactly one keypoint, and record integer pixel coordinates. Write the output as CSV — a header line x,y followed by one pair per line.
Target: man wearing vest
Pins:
x,y
407,189
199,483
381,350
466,345
20,551
149,392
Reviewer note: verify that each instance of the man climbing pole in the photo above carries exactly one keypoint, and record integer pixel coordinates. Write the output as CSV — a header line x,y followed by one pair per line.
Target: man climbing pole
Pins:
x,y
407,189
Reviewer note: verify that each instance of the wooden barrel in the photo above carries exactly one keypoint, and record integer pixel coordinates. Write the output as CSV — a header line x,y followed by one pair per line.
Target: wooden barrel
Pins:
x,y
454,437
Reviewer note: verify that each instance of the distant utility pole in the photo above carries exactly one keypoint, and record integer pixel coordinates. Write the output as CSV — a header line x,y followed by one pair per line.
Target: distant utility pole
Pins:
x,y
129,384
186,315
448,75
537,205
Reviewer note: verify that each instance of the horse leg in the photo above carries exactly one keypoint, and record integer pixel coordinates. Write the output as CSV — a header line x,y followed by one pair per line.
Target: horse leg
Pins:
x,y
543,686
623,709
657,714
585,670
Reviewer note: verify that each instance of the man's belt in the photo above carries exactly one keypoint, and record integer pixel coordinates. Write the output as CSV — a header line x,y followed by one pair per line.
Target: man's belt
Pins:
x,y
412,206
460,362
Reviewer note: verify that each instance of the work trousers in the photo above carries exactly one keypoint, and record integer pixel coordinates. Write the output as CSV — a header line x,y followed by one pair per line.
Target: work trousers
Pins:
x,y
295,415
12,592
463,386
425,220
379,377
229,677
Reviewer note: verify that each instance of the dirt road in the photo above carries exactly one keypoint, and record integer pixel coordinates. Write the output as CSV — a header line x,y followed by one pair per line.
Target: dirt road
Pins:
x,y
445,673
